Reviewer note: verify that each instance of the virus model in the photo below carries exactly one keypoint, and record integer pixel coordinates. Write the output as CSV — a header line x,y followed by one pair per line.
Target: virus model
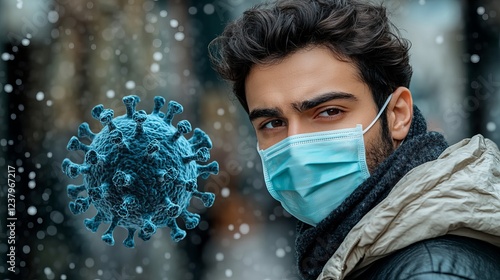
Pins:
x,y
139,171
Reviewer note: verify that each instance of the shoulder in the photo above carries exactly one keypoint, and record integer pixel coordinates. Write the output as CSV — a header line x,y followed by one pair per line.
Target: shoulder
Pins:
x,y
445,257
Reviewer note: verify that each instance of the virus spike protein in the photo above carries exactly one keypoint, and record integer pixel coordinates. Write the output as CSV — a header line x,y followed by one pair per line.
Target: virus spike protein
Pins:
x,y
140,171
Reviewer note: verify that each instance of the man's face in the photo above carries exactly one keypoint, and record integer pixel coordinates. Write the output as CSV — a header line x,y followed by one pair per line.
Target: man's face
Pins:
x,y
311,91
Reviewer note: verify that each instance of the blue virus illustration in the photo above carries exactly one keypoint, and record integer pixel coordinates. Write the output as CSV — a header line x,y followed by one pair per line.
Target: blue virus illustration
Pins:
x,y
139,171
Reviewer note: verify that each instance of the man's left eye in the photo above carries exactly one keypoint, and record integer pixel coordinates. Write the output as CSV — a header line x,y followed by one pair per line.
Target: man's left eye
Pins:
x,y
330,112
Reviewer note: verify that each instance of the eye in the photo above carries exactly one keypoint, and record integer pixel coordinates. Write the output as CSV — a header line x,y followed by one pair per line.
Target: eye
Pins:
x,y
273,124
331,112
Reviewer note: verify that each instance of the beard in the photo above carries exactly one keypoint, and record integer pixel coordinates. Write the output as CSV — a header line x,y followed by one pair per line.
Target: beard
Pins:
x,y
381,148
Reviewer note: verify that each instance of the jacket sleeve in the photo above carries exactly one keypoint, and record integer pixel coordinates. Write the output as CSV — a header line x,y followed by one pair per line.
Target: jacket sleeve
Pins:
x,y
447,257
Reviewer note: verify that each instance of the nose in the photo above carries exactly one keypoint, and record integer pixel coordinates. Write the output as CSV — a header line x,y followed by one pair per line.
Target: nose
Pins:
x,y
296,127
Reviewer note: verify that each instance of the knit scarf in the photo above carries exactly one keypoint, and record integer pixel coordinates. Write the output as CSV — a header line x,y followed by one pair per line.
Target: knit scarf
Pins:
x,y
315,245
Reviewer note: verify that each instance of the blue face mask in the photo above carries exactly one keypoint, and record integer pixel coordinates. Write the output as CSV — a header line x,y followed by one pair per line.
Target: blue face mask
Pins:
x,y
311,174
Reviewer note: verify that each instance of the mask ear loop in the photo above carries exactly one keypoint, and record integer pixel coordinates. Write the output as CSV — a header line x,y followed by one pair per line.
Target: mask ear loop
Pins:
x,y
401,144
379,114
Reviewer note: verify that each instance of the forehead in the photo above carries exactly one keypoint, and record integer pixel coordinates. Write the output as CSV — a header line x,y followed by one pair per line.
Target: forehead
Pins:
x,y
302,75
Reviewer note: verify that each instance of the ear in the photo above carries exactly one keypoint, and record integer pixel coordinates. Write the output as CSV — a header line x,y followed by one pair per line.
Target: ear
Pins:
x,y
400,114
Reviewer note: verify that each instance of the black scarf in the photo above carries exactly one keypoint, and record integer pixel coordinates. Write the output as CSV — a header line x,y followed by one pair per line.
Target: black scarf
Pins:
x,y
315,245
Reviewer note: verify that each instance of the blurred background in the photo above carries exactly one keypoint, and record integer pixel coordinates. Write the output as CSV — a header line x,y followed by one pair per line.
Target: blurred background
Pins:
x,y
60,58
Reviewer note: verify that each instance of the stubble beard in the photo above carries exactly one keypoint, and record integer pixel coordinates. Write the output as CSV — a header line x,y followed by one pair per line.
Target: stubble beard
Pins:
x,y
380,149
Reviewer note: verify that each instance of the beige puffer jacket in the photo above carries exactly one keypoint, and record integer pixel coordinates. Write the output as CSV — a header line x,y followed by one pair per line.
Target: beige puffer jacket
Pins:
x,y
458,193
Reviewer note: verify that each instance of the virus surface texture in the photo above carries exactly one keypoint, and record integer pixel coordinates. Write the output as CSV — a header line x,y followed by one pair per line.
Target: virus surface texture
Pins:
x,y
139,171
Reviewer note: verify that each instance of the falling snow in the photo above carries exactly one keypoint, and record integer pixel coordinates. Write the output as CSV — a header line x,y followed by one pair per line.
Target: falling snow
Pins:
x,y
130,85
5,56
8,88
475,58
53,16
491,126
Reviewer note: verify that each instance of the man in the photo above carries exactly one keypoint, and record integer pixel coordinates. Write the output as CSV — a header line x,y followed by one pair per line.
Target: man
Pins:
x,y
345,151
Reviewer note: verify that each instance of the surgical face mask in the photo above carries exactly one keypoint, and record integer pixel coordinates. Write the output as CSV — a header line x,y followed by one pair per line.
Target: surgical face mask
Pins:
x,y
311,174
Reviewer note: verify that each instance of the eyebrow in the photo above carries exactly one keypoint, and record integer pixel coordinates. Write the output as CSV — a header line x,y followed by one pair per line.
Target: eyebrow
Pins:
x,y
301,106
264,113
325,97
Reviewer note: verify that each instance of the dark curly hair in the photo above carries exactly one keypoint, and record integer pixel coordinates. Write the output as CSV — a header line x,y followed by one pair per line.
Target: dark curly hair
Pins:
x,y
354,31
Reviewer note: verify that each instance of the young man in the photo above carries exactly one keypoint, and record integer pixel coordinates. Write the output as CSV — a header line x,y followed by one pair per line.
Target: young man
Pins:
x,y
346,152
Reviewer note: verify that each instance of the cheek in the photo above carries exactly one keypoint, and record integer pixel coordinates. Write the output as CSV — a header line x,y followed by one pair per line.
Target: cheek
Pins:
x,y
266,142
372,137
